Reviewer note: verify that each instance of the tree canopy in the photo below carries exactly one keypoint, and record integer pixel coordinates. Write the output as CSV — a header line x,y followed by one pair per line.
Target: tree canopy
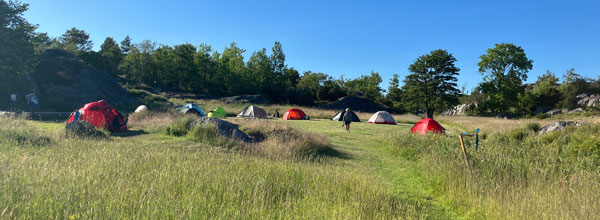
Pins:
x,y
504,68
431,85
16,41
76,41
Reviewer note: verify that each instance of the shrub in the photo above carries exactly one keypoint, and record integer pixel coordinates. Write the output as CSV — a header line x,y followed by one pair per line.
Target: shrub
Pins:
x,y
85,129
483,135
180,126
542,116
535,127
518,134
205,132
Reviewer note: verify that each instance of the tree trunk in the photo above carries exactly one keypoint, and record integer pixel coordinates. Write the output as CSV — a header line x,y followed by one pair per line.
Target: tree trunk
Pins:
x,y
430,113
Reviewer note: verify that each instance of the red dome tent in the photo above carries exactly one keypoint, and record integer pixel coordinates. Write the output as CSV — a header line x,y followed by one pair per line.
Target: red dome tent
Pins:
x,y
101,115
427,125
294,114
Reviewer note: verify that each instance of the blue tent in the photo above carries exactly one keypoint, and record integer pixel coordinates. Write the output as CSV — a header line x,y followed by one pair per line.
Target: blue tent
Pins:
x,y
192,108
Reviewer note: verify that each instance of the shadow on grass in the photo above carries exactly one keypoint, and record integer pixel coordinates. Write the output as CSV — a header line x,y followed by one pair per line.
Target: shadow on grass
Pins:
x,y
330,152
129,133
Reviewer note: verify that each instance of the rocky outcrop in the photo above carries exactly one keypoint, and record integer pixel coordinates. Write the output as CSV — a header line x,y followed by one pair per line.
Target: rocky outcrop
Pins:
x,y
577,110
559,125
458,110
588,100
556,111
66,83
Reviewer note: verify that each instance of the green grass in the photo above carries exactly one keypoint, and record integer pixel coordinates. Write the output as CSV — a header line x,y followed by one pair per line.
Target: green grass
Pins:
x,y
160,176
377,172
514,175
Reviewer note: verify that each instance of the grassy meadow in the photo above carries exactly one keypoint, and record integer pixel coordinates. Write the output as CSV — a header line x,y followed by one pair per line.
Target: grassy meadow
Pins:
x,y
299,170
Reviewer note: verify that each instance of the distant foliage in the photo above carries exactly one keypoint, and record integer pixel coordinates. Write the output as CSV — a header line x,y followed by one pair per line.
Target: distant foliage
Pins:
x,y
366,86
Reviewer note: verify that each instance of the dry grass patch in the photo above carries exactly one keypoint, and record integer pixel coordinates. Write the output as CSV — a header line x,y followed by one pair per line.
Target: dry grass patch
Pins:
x,y
148,119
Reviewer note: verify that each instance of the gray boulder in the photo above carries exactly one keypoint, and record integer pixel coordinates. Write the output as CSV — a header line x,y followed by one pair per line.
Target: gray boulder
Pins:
x,y
577,110
458,110
557,111
224,128
588,100
559,125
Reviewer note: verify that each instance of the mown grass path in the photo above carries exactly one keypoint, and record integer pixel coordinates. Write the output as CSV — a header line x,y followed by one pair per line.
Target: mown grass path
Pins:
x,y
367,148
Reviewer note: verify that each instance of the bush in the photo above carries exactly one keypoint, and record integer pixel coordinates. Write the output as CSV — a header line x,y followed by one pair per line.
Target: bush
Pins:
x,y
535,127
180,126
542,116
205,132
84,129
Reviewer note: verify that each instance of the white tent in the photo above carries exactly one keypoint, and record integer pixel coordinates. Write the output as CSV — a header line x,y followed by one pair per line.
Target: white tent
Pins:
x,y
382,117
141,108
253,112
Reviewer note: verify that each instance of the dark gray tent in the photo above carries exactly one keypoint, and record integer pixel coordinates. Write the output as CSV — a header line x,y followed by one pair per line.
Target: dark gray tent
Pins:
x,y
340,116
253,112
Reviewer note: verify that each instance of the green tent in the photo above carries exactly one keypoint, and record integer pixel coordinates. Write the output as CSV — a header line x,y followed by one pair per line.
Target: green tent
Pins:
x,y
217,113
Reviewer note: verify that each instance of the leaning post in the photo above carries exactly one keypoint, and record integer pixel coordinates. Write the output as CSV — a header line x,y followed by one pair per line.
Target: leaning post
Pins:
x,y
464,150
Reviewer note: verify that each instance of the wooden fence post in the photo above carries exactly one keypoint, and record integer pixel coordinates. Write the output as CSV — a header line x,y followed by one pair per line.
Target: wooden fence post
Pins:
x,y
464,150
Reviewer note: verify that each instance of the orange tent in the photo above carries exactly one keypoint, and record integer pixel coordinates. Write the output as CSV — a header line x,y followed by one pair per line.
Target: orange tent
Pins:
x,y
294,114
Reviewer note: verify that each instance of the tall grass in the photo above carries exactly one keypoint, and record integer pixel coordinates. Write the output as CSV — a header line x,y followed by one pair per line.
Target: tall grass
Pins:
x,y
515,174
151,119
282,141
166,177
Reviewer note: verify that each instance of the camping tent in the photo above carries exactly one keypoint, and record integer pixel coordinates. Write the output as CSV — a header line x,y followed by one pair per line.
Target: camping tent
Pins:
x,y
192,108
382,117
294,114
427,125
141,108
217,113
252,111
101,115
340,116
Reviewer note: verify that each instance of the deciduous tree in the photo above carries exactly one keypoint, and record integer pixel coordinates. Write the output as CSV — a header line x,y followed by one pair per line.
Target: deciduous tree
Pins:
x,y
504,68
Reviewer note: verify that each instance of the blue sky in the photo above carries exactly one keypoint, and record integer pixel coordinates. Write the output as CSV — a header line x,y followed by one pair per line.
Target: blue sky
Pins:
x,y
349,38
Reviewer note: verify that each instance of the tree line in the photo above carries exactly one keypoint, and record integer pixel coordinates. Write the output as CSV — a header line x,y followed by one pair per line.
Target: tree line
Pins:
x,y
430,86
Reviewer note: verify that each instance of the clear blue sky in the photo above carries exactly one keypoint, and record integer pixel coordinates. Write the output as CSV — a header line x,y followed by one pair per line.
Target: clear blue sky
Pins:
x,y
346,37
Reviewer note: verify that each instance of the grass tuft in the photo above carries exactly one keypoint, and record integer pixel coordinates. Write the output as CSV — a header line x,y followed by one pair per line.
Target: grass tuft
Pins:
x,y
180,126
